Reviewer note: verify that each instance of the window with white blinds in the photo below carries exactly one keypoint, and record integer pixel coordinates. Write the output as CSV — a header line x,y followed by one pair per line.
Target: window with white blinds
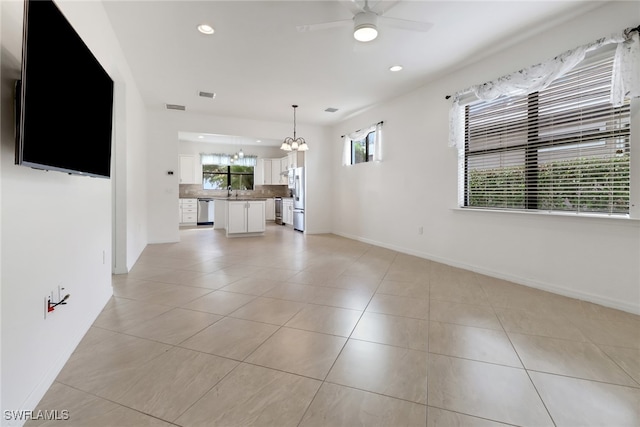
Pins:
x,y
565,148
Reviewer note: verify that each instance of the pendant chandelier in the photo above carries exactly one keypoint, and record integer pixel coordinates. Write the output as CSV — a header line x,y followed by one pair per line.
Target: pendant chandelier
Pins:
x,y
294,144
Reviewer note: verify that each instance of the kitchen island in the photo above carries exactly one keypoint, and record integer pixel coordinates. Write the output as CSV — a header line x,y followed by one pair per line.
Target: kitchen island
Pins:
x,y
240,216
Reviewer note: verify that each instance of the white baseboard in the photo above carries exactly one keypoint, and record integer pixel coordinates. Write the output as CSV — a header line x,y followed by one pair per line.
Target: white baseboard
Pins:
x,y
549,287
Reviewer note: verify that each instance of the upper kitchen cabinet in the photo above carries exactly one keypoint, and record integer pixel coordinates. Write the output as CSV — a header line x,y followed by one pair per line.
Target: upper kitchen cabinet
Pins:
x,y
188,169
262,172
258,172
269,172
276,172
295,159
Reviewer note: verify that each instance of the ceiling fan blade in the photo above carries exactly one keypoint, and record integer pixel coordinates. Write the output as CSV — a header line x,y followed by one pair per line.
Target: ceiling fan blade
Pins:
x,y
383,6
323,26
405,24
353,6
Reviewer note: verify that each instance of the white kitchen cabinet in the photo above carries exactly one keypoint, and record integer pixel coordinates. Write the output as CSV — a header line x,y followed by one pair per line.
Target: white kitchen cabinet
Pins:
x,y
295,159
276,176
245,217
258,173
256,217
188,169
267,171
188,211
287,211
236,217
270,209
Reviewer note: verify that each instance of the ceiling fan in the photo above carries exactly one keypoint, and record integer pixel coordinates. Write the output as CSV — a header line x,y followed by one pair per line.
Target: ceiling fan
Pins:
x,y
365,21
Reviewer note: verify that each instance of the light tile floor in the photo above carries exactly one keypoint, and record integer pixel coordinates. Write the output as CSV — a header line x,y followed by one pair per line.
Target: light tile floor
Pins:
x,y
317,330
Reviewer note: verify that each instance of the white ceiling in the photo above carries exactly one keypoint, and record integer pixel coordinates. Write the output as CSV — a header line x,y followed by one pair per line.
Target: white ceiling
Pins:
x,y
258,64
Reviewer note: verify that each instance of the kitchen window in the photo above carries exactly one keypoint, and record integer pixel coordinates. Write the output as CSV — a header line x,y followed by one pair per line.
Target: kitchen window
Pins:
x,y
563,148
220,177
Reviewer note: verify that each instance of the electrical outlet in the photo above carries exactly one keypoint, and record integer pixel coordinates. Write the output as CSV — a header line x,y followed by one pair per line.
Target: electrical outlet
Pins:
x,y
52,300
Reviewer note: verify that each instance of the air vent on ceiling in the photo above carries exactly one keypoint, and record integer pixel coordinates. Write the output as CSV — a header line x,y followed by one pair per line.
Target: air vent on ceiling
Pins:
x,y
331,110
175,107
207,94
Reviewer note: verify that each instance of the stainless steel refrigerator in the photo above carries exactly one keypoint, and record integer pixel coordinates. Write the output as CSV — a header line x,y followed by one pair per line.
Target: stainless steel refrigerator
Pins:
x,y
298,199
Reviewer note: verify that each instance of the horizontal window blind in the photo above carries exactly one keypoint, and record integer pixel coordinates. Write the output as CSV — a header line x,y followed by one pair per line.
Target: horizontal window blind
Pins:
x,y
565,148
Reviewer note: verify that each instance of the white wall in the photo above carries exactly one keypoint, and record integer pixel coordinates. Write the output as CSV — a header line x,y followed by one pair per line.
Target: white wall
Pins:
x,y
416,186
163,157
56,228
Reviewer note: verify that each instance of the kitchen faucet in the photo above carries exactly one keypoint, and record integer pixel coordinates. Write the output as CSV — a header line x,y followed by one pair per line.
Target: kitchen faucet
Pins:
x,y
229,191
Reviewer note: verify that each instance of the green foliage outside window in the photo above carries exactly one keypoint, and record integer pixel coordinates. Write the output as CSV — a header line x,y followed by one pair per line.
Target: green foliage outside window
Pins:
x,y
362,150
216,177
586,185
359,151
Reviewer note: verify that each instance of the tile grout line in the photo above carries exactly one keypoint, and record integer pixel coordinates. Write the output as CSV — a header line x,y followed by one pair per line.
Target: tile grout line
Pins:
x,y
324,380
544,404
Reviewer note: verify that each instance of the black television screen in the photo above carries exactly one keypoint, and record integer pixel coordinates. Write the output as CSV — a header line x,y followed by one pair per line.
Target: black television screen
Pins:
x,y
65,98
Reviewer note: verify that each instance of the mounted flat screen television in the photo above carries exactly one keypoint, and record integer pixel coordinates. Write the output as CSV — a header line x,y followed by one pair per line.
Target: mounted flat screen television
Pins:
x,y
64,99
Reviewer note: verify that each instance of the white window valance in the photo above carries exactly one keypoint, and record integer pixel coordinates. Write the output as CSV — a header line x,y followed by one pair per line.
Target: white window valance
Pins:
x,y
360,134
225,159
625,79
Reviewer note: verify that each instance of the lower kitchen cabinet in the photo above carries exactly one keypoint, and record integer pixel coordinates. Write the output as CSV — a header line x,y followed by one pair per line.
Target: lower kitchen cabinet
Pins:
x,y
270,209
188,211
287,211
245,217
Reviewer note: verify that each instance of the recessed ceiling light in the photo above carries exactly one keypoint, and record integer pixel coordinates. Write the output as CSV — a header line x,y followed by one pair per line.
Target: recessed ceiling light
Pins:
x,y
206,29
258,140
395,68
200,137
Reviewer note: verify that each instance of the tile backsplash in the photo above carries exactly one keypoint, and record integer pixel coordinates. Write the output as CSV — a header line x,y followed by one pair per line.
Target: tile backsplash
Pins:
x,y
196,190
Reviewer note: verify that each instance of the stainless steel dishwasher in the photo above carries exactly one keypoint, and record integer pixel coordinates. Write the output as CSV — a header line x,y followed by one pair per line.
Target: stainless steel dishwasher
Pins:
x,y
205,211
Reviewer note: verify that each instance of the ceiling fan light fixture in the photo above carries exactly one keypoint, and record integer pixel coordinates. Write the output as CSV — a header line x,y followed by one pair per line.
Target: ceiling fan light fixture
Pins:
x,y
365,33
365,26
